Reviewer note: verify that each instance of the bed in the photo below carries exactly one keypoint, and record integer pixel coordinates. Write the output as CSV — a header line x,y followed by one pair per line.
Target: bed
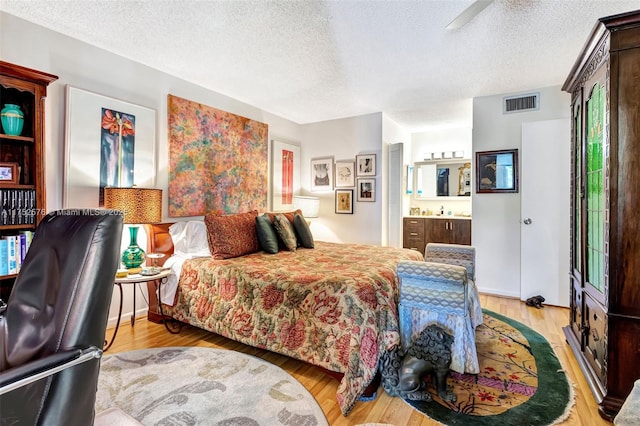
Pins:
x,y
334,305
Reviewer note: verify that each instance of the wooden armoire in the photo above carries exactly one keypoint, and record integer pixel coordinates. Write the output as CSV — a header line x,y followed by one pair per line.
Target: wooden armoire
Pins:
x,y
604,323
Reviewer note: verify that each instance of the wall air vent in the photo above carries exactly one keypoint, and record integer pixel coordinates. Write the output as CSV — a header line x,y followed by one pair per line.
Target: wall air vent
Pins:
x,y
520,103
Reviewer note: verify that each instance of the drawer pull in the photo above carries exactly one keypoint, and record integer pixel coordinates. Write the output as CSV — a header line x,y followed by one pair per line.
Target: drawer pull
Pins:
x,y
413,233
413,222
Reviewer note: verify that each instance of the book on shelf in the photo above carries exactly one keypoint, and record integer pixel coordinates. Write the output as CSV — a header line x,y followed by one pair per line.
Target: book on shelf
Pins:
x,y
13,250
4,257
18,206
23,246
11,254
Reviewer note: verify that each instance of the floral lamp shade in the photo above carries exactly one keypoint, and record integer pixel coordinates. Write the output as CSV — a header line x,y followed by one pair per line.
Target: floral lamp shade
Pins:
x,y
139,206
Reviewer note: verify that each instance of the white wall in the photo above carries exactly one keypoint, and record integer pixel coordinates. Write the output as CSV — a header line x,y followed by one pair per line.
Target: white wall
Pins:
x,y
441,140
344,139
88,67
496,217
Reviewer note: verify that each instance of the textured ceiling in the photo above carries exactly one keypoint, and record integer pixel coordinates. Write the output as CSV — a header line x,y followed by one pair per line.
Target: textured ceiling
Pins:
x,y
312,60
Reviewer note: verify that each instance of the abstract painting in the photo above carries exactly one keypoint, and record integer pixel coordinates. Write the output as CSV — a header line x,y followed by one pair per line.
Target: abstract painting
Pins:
x,y
285,174
218,161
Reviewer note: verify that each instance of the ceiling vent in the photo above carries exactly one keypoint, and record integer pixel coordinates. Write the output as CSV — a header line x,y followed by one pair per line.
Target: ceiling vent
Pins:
x,y
520,103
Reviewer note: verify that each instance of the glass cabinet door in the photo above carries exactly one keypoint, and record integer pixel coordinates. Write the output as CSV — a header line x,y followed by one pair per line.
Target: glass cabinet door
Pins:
x,y
594,186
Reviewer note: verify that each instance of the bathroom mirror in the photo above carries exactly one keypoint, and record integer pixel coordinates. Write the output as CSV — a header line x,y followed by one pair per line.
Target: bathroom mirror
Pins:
x,y
435,179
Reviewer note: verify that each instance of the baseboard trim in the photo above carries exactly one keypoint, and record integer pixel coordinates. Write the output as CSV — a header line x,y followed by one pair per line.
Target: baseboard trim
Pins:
x,y
492,292
126,317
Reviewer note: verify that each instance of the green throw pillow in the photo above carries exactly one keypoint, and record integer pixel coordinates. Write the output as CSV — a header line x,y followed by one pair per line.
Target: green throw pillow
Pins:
x,y
302,231
267,234
285,231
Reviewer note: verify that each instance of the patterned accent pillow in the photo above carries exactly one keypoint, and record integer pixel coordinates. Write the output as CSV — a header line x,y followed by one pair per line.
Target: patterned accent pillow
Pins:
x,y
288,215
232,235
303,233
285,231
267,235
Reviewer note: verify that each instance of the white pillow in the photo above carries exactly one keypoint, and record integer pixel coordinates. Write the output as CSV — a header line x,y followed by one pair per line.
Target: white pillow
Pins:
x,y
190,239
178,232
197,239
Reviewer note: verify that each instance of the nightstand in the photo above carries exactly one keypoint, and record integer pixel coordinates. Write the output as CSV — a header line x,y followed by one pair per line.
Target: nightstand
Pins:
x,y
135,279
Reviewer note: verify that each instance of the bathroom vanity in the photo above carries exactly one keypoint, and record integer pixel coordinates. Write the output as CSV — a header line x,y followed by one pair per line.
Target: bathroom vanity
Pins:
x,y
420,230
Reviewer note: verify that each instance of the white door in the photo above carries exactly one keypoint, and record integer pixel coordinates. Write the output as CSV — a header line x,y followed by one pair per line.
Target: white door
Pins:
x,y
545,203
394,235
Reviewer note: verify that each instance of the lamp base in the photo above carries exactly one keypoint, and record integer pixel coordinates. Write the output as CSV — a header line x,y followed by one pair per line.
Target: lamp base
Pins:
x,y
133,256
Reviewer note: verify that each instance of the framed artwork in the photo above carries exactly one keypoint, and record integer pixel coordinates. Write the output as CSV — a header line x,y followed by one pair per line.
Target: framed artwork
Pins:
x,y
345,174
285,174
366,189
9,174
218,161
108,142
322,174
344,201
497,171
366,165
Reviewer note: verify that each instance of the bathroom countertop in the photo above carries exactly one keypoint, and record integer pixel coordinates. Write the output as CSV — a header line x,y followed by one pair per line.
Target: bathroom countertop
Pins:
x,y
442,216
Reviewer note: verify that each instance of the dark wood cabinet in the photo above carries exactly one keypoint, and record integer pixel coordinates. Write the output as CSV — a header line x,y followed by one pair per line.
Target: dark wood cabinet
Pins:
x,y
604,320
413,233
22,198
437,231
418,231
448,231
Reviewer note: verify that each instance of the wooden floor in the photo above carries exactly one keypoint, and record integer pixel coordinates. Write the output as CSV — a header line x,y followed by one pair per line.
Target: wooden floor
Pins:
x,y
547,321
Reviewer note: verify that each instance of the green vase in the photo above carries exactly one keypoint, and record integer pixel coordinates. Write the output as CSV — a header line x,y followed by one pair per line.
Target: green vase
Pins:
x,y
133,256
12,119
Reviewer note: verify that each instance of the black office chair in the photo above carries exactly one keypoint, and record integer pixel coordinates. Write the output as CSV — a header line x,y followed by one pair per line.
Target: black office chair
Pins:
x,y
53,328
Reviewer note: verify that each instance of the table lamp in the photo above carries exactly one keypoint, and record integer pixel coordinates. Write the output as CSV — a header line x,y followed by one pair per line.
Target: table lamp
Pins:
x,y
139,206
310,206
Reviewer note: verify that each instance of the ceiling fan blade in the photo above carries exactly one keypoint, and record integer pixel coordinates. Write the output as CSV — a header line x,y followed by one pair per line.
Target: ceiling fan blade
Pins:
x,y
468,14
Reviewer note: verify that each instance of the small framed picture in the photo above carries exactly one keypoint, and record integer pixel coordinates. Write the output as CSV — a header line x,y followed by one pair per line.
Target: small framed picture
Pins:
x,y
366,189
9,173
366,165
345,174
322,174
344,201
497,171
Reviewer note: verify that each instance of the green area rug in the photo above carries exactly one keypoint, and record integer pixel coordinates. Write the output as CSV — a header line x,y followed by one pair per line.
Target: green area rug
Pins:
x,y
203,386
521,381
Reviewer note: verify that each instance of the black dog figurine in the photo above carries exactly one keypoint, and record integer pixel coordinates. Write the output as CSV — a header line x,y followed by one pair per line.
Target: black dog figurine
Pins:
x,y
430,353
535,301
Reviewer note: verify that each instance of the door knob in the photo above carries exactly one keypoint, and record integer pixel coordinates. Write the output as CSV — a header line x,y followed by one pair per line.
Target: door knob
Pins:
x,y
527,221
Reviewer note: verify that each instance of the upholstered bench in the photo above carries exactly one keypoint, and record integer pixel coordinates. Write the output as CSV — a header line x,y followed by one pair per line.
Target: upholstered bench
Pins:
x,y
459,255
438,293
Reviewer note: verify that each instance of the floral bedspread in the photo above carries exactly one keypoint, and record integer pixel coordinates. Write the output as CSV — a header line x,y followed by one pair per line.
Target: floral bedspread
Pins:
x,y
334,306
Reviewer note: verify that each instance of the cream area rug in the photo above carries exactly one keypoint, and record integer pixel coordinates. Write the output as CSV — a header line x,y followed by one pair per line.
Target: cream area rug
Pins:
x,y
203,386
